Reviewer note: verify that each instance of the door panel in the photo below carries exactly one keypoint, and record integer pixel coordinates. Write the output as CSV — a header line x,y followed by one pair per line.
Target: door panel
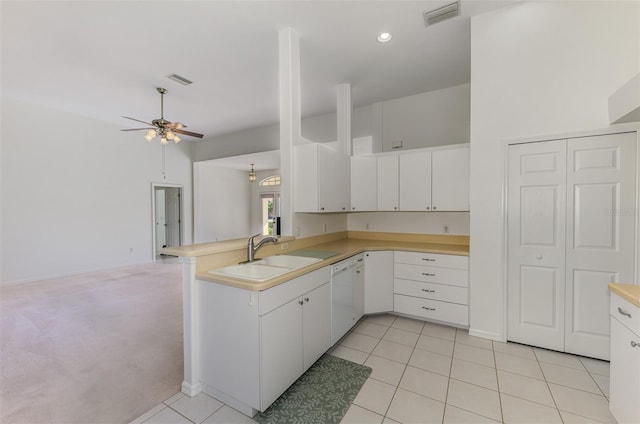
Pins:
x,y
594,229
601,235
536,243
538,305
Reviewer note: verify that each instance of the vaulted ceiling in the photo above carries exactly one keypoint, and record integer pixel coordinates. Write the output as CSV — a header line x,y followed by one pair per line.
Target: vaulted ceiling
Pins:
x,y
103,59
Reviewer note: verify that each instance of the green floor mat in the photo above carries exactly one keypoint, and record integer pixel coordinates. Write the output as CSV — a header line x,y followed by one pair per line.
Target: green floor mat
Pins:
x,y
322,395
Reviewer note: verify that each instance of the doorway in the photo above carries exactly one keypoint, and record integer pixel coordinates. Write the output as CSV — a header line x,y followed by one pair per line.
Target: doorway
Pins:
x,y
167,218
270,208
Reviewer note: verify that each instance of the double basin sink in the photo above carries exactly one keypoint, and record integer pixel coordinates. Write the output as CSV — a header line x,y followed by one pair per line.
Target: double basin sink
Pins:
x,y
267,268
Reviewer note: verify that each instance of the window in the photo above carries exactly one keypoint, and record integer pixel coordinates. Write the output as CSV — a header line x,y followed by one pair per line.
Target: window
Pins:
x,y
273,180
270,206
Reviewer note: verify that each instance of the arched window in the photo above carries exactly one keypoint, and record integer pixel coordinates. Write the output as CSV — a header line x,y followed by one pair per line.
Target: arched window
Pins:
x,y
273,180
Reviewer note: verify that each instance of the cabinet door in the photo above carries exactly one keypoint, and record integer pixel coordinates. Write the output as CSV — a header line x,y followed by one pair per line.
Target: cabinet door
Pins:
x,y
316,324
388,183
415,181
364,183
450,180
378,281
358,289
281,350
624,389
333,180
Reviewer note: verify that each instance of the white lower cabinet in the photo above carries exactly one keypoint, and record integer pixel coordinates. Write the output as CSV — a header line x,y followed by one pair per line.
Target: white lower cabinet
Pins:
x,y
293,337
378,290
254,345
432,286
624,392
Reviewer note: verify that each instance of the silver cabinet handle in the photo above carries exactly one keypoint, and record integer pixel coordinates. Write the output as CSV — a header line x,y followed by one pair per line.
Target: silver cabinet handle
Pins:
x,y
306,299
539,257
353,208
300,302
428,291
428,208
428,275
428,259
623,312
434,208
428,309
634,344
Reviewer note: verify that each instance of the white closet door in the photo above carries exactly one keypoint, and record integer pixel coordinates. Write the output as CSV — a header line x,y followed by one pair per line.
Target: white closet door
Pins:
x,y
536,243
600,235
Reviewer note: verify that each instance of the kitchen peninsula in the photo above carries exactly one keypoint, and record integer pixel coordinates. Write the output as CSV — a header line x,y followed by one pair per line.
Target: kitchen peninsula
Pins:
x,y
236,331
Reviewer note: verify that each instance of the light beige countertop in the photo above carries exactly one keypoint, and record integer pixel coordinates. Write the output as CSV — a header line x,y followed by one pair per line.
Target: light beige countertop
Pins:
x,y
345,248
629,292
203,249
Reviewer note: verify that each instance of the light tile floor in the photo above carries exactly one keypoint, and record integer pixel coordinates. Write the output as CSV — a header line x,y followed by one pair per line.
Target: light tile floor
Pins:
x,y
430,373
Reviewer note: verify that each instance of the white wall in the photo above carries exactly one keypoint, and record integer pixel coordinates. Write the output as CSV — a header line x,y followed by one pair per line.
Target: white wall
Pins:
x,y
410,222
536,68
434,118
222,203
76,193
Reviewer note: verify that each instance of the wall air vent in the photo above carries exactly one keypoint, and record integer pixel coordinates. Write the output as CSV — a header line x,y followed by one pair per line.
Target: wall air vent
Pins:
x,y
442,13
179,79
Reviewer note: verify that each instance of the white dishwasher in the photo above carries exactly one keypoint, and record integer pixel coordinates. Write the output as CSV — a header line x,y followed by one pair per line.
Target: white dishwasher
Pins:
x,y
343,302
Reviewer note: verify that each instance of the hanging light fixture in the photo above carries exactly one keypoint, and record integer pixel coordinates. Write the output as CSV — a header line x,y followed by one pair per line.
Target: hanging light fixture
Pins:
x,y
252,175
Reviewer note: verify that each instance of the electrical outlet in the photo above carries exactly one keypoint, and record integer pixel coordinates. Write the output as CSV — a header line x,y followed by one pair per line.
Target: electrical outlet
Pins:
x,y
445,229
284,246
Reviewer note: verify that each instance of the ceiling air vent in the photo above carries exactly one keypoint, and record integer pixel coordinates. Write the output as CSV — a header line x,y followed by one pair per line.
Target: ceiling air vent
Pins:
x,y
442,13
179,79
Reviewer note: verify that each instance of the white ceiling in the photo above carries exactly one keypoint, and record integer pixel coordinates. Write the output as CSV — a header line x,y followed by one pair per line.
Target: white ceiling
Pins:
x,y
104,59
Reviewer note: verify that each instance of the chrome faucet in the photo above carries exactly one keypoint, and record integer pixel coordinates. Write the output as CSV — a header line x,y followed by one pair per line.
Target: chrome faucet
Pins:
x,y
252,249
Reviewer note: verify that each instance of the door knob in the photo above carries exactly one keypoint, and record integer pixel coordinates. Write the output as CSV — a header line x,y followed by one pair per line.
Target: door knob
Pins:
x,y
539,257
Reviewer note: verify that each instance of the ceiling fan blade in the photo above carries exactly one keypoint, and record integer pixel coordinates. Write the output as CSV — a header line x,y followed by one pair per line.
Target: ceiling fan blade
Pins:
x,y
192,134
137,129
137,120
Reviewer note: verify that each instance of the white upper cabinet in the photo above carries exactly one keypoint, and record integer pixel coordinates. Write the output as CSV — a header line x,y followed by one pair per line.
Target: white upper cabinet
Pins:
x,y
388,183
450,180
415,181
364,183
321,176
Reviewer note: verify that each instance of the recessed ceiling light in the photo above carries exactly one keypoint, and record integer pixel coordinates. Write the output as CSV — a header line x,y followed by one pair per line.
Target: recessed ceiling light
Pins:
x,y
384,37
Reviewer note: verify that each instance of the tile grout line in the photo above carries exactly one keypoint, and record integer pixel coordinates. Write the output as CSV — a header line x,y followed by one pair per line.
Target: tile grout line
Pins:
x,y
495,364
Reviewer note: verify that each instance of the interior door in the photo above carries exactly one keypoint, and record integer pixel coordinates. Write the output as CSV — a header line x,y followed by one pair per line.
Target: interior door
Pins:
x,y
536,243
160,218
600,235
172,210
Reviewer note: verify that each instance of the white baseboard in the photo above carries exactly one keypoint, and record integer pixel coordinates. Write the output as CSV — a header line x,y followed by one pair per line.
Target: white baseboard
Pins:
x,y
231,401
191,390
488,335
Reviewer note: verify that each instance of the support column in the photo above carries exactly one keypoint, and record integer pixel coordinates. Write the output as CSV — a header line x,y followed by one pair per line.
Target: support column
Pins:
x,y
190,325
290,117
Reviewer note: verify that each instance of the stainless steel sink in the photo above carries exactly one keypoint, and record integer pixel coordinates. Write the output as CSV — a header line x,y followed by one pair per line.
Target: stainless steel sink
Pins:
x,y
267,268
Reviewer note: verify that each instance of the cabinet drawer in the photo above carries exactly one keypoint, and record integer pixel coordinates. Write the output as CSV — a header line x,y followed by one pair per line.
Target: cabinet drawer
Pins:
x,y
626,313
432,291
432,274
432,309
432,259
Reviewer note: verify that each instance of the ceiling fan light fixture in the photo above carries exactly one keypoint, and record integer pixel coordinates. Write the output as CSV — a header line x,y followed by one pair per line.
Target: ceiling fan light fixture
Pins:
x,y
177,139
170,135
164,141
148,138
384,37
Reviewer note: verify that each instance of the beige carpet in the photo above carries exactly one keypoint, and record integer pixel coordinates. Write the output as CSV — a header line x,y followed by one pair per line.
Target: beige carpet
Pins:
x,y
103,347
